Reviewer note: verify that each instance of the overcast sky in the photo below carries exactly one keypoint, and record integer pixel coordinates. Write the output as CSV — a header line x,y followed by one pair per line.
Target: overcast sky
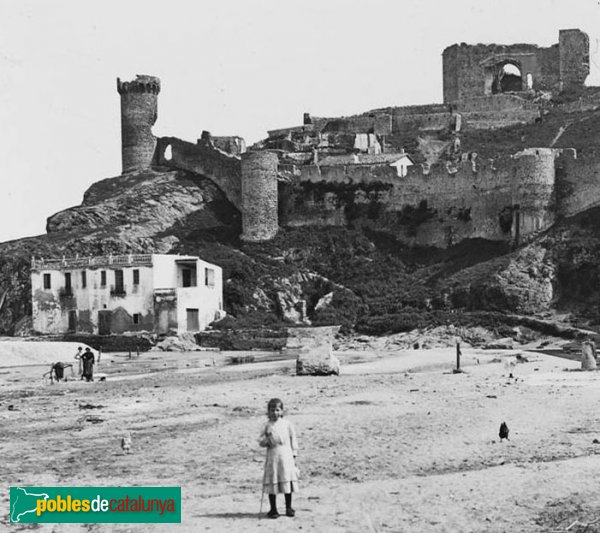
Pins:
x,y
229,67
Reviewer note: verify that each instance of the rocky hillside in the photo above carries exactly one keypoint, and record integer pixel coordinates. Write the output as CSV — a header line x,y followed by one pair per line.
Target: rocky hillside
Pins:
x,y
137,213
364,280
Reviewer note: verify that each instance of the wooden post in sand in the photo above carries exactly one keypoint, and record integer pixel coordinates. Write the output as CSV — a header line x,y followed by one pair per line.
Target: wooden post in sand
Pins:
x,y
457,370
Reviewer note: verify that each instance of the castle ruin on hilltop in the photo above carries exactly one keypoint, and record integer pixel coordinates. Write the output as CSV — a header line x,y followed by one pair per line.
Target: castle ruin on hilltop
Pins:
x,y
355,171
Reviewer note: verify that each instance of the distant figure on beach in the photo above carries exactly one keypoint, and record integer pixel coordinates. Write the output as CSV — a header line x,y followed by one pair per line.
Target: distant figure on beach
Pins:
x,y
503,433
78,358
88,361
126,442
281,475
57,371
510,363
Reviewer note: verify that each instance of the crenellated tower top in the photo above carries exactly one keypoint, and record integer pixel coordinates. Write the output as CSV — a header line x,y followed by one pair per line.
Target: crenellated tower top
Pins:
x,y
141,84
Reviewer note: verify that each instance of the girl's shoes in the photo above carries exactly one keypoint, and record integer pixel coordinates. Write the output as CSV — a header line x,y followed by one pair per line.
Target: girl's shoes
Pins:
x,y
273,513
290,512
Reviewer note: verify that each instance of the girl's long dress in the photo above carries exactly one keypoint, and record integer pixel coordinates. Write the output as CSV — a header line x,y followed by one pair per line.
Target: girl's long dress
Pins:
x,y
280,469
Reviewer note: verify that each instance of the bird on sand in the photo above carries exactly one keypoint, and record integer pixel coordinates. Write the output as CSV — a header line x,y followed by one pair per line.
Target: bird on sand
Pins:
x,y
503,433
126,442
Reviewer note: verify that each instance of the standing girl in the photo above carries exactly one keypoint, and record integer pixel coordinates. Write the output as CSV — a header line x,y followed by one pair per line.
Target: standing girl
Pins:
x,y
281,476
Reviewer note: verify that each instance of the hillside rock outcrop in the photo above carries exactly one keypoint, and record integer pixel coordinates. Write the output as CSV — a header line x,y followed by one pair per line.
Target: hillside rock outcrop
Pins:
x,y
142,204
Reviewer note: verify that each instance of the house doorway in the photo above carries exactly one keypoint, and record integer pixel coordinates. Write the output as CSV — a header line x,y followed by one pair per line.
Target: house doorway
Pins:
x,y
72,321
193,322
104,320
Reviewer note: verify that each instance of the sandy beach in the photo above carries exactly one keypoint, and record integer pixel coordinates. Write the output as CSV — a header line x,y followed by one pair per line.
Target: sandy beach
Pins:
x,y
396,443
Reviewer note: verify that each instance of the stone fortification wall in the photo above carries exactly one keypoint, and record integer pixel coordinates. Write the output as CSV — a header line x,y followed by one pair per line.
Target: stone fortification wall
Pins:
x,y
284,132
494,103
578,182
138,115
379,124
425,109
574,61
423,121
496,111
486,120
501,200
231,144
259,196
588,102
203,158
478,112
387,120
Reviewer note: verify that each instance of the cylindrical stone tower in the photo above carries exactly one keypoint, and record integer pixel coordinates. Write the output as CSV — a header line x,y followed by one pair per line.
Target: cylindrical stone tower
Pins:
x,y
259,196
138,115
533,191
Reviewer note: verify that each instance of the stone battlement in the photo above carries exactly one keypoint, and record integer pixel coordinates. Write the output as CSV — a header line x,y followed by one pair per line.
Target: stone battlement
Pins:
x,y
141,84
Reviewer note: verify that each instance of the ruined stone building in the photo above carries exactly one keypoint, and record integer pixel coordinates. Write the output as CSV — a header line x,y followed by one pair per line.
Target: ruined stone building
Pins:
x,y
347,171
472,71
125,293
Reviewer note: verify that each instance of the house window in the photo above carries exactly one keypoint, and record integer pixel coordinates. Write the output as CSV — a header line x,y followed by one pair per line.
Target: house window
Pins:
x,y
47,284
119,289
68,283
136,276
209,277
103,278
136,318
84,279
188,277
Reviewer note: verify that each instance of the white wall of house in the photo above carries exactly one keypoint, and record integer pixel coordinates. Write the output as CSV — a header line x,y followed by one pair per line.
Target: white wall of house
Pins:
x,y
402,165
46,309
132,303
207,296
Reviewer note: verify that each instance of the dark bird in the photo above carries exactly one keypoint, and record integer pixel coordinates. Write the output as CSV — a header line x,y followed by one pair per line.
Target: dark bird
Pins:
x,y
503,433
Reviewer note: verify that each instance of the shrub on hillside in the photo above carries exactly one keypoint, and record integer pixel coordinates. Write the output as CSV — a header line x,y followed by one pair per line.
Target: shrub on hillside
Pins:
x,y
344,310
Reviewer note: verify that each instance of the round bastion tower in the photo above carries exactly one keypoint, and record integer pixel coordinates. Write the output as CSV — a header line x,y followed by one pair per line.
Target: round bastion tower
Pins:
x,y
533,191
259,196
138,115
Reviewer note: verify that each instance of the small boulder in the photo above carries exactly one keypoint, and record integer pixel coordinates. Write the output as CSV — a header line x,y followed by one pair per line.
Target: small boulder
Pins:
x,y
500,344
315,350
588,356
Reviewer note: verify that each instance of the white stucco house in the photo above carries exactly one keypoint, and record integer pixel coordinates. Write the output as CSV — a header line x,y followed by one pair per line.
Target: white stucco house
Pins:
x,y
402,163
125,293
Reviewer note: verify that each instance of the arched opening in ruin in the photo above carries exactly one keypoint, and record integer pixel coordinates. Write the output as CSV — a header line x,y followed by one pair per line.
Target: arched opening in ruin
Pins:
x,y
168,153
508,78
